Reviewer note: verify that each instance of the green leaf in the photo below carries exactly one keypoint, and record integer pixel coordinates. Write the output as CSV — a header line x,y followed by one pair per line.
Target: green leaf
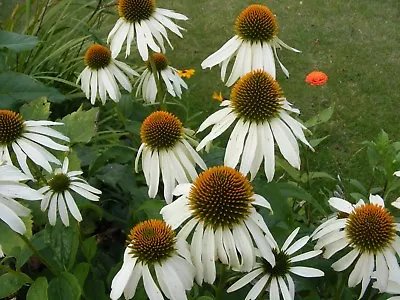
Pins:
x,y
152,208
89,248
38,290
16,42
18,87
81,272
315,142
10,283
323,117
64,242
313,175
36,110
65,287
80,126
10,240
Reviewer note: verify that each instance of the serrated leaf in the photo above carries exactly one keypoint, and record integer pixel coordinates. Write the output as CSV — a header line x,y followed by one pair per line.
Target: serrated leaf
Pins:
x,y
80,126
17,87
10,283
16,42
64,287
36,110
38,290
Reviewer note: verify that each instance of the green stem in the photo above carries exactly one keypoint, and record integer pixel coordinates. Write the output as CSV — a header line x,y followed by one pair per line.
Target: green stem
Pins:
x,y
157,77
340,288
221,285
36,252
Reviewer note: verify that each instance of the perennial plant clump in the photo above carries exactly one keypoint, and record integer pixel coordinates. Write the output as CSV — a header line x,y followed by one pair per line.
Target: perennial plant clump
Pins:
x,y
159,209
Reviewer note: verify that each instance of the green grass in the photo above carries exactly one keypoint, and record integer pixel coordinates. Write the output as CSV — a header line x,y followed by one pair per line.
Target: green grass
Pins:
x,y
354,42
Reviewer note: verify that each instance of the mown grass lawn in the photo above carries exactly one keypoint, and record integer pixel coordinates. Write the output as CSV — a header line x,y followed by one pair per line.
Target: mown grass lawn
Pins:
x,y
354,42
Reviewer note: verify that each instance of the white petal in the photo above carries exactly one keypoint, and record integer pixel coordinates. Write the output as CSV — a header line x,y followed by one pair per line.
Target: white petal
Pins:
x,y
305,256
245,280
245,247
267,147
118,38
53,210
121,279
306,272
249,150
214,118
376,199
345,261
237,69
298,245
154,175
258,287
73,208
176,212
196,157
261,201
230,249
208,255
290,239
341,205
151,288
225,52
286,142
196,249
11,219
269,61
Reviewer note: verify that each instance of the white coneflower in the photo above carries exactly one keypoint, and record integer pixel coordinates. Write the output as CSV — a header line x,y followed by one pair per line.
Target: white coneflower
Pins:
x,y
147,86
10,188
262,114
142,21
369,231
154,249
165,150
57,194
277,280
29,139
219,208
254,45
102,73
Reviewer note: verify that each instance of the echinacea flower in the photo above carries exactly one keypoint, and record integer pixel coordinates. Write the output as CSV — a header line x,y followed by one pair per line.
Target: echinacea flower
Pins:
x,y
277,280
29,139
186,73
316,78
254,45
261,111
369,231
58,197
10,188
101,74
219,208
147,84
154,249
143,21
165,150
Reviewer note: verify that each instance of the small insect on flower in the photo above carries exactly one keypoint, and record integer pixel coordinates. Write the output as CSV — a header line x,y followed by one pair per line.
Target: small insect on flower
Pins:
x,y
316,78
186,73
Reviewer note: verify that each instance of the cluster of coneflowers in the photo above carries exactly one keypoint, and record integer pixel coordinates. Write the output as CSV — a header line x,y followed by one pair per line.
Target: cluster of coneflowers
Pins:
x,y
212,216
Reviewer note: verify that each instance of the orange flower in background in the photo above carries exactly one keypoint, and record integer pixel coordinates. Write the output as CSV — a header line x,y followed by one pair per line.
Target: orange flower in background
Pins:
x,y
316,78
217,96
185,73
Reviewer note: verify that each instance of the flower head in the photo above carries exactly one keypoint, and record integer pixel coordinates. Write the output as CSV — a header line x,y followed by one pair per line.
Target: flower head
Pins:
x,y
57,194
10,188
219,208
254,45
29,139
153,245
261,111
186,73
316,78
165,147
277,279
141,19
369,231
147,86
102,73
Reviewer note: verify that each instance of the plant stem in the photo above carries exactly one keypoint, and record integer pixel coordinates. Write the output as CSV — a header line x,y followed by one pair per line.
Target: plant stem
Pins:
x,y
221,285
157,77
36,252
